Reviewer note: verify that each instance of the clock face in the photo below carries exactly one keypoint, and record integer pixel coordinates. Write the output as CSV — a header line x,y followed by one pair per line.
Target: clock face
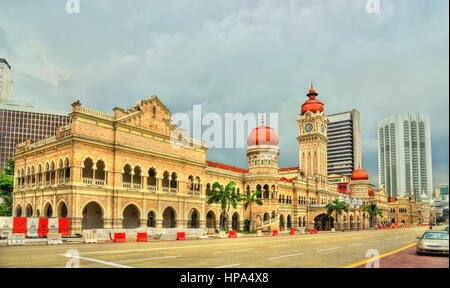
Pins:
x,y
322,128
308,127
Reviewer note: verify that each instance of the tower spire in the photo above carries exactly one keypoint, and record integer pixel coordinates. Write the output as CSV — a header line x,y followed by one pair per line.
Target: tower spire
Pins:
x,y
262,119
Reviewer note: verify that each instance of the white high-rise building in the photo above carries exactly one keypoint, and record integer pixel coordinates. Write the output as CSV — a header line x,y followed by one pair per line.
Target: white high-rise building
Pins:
x,y
404,155
5,80
344,146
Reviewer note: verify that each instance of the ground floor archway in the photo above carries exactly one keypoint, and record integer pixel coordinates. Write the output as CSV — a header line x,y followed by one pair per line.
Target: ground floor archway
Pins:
x,y
62,210
322,222
48,210
210,220
169,218
235,221
92,216
194,219
151,219
131,217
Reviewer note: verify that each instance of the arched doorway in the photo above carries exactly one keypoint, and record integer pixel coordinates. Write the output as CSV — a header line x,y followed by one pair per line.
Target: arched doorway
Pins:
x,y
48,210
62,210
403,222
18,211
210,220
281,222
289,222
92,216
29,211
151,219
169,218
224,221
323,222
235,221
131,217
194,221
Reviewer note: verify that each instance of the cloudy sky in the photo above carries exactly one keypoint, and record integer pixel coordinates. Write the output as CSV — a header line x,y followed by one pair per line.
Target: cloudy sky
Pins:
x,y
238,56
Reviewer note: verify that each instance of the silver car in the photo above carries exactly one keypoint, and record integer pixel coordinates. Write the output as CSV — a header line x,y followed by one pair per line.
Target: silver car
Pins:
x,y
435,242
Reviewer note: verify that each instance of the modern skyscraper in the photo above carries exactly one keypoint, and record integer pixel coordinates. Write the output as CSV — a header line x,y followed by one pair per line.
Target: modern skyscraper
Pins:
x,y
5,80
344,146
404,155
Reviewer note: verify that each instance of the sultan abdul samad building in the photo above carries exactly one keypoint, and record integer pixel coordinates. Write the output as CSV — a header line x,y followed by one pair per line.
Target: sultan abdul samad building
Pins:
x,y
122,171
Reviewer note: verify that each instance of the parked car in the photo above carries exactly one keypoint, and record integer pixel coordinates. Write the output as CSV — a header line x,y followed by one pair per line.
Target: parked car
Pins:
x,y
433,242
446,229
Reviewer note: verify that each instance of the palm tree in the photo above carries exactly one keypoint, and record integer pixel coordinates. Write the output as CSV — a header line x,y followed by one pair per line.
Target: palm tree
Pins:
x,y
336,206
373,211
226,196
249,200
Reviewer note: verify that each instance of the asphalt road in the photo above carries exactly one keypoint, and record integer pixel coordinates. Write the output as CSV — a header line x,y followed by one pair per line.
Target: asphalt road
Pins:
x,y
339,249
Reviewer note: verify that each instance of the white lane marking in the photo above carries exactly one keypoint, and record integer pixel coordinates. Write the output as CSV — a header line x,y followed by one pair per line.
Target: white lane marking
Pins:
x,y
153,258
98,261
226,266
356,244
300,238
284,256
374,241
226,251
327,249
388,238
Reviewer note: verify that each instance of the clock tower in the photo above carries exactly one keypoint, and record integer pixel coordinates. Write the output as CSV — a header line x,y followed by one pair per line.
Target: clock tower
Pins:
x,y
312,138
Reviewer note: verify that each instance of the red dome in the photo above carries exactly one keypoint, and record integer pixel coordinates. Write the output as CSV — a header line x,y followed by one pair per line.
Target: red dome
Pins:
x,y
262,135
312,104
360,174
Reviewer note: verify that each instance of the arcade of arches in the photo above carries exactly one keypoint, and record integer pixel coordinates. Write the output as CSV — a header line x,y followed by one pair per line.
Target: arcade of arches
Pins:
x,y
122,170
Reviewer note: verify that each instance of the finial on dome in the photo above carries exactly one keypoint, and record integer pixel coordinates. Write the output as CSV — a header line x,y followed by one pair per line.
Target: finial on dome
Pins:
x,y
262,119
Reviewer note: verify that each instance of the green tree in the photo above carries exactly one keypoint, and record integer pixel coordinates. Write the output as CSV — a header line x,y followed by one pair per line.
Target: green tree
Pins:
x,y
6,189
248,200
373,211
226,196
336,206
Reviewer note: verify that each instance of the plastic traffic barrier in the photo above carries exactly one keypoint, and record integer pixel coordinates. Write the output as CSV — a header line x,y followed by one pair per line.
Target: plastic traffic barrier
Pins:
x,y
292,232
119,237
63,225
141,237
20,225
232,234
43,227
181,235
275,233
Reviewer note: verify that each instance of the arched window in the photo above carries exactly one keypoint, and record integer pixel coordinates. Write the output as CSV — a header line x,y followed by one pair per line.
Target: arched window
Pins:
x,y
52,173
248,190
208,188
100,174
151,180
166,181
67,170
88,171
266,192
39,176
47,174
126,177
191,183
60,171
173,183
33,176
137,178
197,186
258,188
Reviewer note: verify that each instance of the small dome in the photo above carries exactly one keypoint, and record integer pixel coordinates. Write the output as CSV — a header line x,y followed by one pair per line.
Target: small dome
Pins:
x,y
359,174
312,104
262,135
